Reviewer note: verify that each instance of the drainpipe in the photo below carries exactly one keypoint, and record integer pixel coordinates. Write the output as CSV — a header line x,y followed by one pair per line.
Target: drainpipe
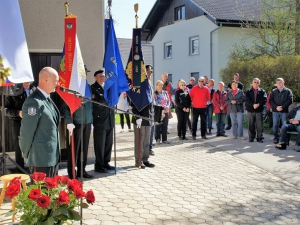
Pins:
x,y
211,50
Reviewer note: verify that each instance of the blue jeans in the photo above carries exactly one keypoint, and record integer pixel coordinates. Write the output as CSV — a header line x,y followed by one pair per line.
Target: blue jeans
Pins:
x,y
278,116
289,127
220,123
237,123
151,137
209,113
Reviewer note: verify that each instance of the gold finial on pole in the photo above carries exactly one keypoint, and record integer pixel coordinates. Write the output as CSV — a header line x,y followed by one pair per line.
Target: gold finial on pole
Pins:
x,y
67,8
136,8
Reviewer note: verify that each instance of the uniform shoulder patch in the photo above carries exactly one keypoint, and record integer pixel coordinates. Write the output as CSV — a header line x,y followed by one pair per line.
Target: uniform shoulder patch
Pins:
x,y
31,111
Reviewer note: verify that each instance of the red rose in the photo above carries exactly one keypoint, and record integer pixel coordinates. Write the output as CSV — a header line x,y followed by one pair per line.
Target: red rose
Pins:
x,y
43,201
63,198
90,197
64,180
12,190
50,183
16,180
38,176
73,184
79,193
34,194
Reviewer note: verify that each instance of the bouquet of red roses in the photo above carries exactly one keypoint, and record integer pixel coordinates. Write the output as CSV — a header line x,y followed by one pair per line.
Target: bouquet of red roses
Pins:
x,y
49,200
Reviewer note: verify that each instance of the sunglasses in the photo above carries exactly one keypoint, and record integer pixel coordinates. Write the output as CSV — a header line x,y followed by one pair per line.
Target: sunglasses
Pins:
x,y
255,82
183,84
201,81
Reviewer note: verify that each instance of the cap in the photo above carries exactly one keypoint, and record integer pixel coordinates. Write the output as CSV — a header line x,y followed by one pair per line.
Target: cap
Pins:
x,y
86,69
149,68
98,71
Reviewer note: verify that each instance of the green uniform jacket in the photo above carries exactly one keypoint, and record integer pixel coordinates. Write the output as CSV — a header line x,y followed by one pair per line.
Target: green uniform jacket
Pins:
x,y
39,136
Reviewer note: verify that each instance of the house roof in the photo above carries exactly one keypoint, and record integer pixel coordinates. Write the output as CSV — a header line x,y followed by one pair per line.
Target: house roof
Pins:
x,y
239,10
217,10
125,46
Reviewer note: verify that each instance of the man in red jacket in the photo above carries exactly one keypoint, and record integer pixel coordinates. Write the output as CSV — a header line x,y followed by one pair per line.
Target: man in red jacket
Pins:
x,y
199,95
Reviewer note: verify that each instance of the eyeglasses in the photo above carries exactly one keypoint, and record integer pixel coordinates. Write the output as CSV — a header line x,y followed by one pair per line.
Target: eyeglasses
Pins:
x,y
192,80
200,80
255,82
183,84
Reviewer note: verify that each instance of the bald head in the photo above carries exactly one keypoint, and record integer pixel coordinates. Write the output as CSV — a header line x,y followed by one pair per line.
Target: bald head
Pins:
x,y
48,79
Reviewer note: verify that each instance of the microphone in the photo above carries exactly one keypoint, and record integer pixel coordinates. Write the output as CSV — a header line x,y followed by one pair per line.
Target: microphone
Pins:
x,y
69,91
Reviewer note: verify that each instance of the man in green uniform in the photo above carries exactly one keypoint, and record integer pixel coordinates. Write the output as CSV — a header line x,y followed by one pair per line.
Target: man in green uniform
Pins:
x,y
39,137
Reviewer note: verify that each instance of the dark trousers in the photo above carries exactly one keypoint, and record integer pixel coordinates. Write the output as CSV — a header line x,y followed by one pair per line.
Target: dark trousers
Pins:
x,y
51,171
161,130
127,120
182,118
14,142
220,123
77,148
202,113
229,124
103,141
255,119
289,127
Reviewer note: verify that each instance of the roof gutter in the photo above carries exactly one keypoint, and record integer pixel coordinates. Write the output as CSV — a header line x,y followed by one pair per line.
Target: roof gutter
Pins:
x,y
211,50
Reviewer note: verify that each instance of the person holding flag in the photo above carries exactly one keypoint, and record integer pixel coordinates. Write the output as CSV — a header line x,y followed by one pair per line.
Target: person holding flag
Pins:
x,y
74,126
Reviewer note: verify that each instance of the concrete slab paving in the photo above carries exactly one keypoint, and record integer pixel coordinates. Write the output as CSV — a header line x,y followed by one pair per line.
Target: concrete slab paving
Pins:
x,y
216,181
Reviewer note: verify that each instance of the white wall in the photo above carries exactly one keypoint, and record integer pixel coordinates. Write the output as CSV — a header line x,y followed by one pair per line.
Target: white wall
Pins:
x,y
181,65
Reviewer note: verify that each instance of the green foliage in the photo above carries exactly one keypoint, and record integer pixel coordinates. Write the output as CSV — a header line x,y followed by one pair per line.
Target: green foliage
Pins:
x,y
267,69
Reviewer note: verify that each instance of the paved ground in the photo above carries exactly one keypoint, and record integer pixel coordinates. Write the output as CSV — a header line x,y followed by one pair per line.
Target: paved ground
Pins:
x,y
218,181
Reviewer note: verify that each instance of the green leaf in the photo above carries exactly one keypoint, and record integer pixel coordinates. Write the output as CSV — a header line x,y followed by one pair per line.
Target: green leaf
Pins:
x,y
50,221
63,211
11,212
74,215
84,205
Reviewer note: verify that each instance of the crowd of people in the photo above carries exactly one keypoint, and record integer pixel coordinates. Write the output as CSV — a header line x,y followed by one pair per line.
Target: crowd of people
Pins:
x,y
36,119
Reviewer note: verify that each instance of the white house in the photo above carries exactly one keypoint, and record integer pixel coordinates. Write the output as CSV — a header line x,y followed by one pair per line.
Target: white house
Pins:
x,y
194,37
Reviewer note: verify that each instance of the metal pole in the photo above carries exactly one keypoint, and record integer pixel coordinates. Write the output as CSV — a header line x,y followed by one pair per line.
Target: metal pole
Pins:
x,y
115,144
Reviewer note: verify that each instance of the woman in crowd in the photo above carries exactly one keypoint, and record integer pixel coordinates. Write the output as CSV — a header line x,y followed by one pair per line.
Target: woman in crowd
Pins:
x,y
220,109
161,99
210,107
183,105
235,99
123,105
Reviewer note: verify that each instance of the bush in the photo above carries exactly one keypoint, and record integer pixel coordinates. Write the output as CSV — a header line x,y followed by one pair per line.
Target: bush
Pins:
x,y
267,69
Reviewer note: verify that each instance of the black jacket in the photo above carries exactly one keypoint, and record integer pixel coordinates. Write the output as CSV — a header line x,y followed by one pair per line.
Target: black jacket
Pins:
x,y
13,105
283,98
182,99
292,114
261,99
102,116
147,112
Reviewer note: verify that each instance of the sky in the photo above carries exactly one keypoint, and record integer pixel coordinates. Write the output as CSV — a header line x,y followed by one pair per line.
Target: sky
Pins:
x,y
122,12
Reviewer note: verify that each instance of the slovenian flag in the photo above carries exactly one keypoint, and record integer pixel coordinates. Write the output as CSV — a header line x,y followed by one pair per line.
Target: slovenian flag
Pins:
x,y
72,73
13,45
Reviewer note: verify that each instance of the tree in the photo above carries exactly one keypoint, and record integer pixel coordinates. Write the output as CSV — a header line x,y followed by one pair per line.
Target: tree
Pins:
x,y
277,31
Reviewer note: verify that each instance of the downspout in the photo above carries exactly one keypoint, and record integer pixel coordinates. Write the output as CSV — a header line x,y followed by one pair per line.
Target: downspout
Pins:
x,y
153,74
211,50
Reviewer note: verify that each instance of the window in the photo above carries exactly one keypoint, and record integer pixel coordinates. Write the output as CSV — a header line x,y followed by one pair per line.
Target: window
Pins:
x,y
196,75
169,77
168,50
194,45
179,13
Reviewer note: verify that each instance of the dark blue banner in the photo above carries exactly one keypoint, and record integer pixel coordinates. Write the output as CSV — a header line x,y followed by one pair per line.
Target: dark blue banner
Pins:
x,y
140,90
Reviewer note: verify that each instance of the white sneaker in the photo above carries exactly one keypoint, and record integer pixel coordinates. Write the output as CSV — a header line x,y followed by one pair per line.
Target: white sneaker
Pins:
x,y
122,131
242,138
